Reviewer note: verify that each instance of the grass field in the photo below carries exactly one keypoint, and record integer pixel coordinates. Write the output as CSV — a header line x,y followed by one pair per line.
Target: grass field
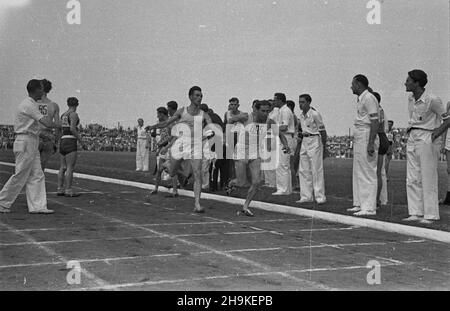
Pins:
x,y
124,242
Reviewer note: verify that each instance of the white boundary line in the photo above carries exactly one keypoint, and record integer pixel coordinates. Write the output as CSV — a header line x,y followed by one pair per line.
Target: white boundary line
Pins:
x,y
142,257
144,237
172,237
219,277
431,234
90,276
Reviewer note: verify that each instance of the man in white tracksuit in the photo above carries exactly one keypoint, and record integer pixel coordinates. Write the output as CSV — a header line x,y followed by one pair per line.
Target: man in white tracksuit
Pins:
x,y
286,126
365,149
425,126
28,170
312,184
142,151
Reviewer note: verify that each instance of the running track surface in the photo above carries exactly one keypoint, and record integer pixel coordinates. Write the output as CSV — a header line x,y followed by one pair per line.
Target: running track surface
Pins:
x,y
124,242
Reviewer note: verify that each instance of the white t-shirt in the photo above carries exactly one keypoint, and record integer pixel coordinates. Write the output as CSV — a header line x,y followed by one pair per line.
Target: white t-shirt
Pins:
x,y
427,112
141,133
312,122
27,117
367,109
286,117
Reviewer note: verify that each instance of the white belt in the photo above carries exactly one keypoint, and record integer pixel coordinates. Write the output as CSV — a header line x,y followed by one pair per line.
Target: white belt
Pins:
x,y
362,127
28,134
68,136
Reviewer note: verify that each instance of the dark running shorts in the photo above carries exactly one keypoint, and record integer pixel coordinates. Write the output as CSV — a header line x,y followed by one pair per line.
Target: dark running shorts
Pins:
x,y
47,147
67,145
384,144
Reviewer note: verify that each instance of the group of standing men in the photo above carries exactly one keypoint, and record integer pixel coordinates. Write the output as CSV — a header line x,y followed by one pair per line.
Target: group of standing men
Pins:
x,y
428,120
268,136
273,124
40,133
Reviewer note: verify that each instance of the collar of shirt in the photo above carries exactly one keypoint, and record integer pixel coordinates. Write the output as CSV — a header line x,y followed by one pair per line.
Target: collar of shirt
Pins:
x,y
423,98
360,97
307,115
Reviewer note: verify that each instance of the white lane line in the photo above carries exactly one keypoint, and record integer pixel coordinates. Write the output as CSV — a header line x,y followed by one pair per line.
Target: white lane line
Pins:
x,y
52,253
325,229
94,260
144,225
219,277
408,230
205,253
201,246
145,237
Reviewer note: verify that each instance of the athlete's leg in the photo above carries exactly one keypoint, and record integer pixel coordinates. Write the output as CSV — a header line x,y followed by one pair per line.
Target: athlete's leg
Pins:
x,y
174,171
255,171
197,172
61,174
158,175
71,160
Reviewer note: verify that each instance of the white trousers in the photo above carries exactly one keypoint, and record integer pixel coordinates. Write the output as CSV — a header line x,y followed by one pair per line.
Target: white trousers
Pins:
x,y
422,175
311,169
365,182
142,155
28,174
283,171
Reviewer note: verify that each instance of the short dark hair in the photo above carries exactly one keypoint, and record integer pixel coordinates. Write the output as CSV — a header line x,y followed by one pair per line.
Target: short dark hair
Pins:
x,y
260,103
34,85
290,104
307,97
419,76
362,79
255,101
162,110
72,102
391,121
281,96
172,105
193,89
234,99
47,85
377,96
204,107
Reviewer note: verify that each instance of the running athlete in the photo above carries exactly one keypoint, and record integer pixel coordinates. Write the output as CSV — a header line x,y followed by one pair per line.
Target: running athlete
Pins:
x,y
68,148
248,149
188,147
48,137
162,153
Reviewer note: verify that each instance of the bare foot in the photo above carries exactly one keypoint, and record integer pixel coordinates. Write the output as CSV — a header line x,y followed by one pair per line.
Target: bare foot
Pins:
x,y
198,209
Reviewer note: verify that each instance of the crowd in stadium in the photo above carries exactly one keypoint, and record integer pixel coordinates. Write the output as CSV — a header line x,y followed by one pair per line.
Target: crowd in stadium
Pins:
x,y
100,138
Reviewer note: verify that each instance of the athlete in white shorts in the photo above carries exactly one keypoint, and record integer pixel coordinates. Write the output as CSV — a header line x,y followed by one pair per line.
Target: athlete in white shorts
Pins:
x,y
249,149
189,145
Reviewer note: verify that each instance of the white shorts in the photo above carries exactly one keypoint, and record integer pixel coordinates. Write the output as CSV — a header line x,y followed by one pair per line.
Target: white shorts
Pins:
x,y
182,148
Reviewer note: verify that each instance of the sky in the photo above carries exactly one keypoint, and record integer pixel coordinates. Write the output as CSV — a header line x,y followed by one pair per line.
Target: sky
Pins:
x,y
128,58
